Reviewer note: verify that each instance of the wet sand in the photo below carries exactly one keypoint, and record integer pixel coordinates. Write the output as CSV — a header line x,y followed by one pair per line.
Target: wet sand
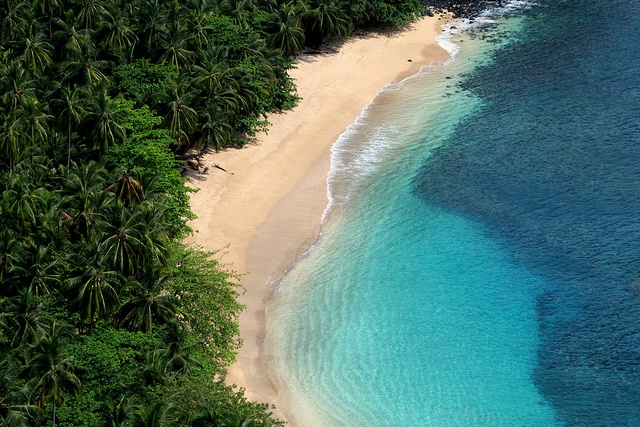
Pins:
x,y
267,209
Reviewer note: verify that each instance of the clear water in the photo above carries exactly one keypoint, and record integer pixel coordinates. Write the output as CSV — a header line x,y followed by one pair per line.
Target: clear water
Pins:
x,y
479,261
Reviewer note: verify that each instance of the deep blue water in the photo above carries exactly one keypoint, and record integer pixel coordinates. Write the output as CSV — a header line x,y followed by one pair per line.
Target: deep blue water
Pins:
x,y
550,166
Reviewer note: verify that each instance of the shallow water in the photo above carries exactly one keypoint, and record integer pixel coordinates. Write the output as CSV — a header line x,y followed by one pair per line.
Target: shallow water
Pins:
x,y
478,264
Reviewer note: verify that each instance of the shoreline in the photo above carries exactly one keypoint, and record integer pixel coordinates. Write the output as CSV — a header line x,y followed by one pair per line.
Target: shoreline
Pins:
x,y
266,211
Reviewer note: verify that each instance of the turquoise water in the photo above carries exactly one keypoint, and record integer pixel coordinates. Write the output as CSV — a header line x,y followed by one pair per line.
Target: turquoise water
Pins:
x,y
478,261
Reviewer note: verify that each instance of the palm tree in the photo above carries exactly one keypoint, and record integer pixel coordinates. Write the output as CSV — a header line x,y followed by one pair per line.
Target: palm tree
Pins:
x,y
83,196
118,413
95,290
157,232
14,411
174,42
26,318
127,189
199,29
68,35
177,352
152,21
289,37
14,14
49,8
11,253
51,372
181,118
89,11
82,64
13,137
37,51
42,269
117,32
154,414
238,10
120,240
210,74
331,19
147,306
17,84
105,116
72,100
84,179
21,200
215,130
35,120
212,418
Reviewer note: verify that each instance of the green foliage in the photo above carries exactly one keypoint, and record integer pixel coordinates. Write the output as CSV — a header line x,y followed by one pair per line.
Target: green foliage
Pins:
x,y
207,397
235,40
109,360
207,295
146,150
79,411
142,76
93,110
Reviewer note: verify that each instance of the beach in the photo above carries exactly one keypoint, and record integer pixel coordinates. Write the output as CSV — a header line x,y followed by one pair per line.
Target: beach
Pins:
x,y
265,208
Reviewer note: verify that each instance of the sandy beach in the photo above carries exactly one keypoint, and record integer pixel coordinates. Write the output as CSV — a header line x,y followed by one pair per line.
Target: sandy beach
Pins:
x,y
266,209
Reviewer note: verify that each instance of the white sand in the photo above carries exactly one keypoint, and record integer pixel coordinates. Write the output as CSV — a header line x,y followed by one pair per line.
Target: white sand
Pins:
x,y
268,212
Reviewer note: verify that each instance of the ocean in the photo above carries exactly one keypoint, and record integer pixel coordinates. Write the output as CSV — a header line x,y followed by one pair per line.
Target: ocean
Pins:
x,y
479,260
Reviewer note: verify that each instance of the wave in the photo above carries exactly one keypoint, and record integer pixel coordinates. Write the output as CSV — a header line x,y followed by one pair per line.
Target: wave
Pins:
x,y
371,142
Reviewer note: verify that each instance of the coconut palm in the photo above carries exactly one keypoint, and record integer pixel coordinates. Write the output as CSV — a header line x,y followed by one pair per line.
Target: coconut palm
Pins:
x,y
121,235
11,253
21,200
71,99
331,20
127,189
210,74
174,42
83,195
14,411
51,372
176,351
42,269
14,14
117,413
180,118
68,34
36,120
84,179
105,116
37,51
27,321
215,130
198,28
147,306
117,33
238,10
13,137
212,418
89,12
157,232
82,64
49,8
16,83
95,290
152,21
289,36
153,414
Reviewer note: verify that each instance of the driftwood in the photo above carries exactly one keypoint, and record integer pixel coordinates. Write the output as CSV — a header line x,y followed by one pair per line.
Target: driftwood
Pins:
x,y
196,162
222,169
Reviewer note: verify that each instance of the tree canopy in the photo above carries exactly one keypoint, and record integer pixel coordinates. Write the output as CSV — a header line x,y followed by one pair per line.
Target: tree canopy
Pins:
x,y
106,318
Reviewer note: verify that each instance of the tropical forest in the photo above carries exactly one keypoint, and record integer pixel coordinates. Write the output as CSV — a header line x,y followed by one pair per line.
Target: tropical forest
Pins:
x,y
106,317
